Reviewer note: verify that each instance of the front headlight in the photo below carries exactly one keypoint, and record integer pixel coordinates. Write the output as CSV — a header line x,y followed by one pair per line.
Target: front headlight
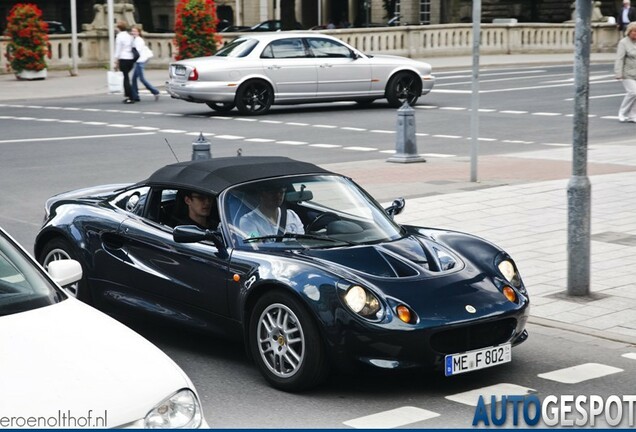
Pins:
x,y
509,272
180,411
362,302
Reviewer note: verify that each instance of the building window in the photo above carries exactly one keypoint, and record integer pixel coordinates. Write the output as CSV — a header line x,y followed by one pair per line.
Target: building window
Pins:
x,y
425,11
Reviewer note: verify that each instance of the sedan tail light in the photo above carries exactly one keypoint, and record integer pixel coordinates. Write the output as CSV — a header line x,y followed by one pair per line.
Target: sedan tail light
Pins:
x,y
194,75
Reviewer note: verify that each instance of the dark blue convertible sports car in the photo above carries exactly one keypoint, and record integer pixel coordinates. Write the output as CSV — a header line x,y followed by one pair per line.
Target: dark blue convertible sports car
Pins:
x,y
298,261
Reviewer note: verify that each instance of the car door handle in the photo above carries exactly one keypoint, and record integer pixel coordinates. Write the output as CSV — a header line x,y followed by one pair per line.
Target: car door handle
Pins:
x,y
326,65
112,241
273,67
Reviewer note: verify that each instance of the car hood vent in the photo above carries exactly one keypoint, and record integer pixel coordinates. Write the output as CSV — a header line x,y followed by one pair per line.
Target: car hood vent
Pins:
x,y
404,258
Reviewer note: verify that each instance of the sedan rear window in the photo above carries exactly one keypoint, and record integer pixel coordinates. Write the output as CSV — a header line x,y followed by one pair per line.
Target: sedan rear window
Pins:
x,y
237,48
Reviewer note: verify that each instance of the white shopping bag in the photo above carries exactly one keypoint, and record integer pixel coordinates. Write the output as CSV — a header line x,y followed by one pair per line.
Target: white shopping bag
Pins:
x,y
115,82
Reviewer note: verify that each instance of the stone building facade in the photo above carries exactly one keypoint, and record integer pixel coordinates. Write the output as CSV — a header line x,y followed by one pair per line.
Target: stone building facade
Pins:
x,y
158,15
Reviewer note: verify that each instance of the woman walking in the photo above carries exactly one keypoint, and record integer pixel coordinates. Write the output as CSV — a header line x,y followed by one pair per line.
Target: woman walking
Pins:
x,y
124,58
144,55
625,70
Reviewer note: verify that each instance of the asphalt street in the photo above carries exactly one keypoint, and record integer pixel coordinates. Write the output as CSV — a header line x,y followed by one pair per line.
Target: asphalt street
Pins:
x,y
50,145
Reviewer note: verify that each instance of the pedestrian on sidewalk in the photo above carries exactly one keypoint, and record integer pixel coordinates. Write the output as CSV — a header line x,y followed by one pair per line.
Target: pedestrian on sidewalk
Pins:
x,y
625,70
626,15
144,55
125,60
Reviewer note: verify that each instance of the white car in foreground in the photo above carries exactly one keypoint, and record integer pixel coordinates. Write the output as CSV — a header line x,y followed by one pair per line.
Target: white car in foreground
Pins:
x,y
67,365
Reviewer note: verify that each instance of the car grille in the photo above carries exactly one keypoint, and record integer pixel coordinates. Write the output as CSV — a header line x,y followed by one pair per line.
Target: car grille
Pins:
x,y
474,336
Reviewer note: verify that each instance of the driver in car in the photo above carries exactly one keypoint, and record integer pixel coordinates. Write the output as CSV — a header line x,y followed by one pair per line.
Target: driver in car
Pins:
x,y
269,218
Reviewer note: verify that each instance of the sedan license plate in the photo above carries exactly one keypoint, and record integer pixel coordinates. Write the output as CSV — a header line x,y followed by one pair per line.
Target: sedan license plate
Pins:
x,y
179,70
478,359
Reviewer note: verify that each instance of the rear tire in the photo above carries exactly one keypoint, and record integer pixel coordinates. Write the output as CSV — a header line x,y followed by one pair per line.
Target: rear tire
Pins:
x,y
60,249
286,344
221,106
403,86
254,97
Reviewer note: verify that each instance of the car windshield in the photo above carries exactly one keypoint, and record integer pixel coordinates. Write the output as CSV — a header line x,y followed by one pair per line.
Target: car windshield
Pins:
x,y
237,48
22,286
316,211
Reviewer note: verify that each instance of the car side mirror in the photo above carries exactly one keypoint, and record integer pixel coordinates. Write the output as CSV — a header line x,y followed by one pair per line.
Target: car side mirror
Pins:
x,y
65,272
396,207
193,234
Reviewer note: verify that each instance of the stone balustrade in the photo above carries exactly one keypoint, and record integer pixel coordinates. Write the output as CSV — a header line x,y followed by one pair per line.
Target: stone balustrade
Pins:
x,y
408,41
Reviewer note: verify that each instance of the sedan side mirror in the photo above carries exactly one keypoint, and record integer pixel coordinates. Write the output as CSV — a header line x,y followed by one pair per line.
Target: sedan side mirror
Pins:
x,y
193,234
65,272
396,207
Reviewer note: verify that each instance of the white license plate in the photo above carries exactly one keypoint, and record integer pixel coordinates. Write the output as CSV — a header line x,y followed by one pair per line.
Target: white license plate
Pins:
x,y
479,359
179,70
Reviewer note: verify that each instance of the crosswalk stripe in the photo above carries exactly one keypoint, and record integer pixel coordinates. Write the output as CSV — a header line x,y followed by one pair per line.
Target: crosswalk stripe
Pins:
x,y
392,418
498,390
631,356
580,373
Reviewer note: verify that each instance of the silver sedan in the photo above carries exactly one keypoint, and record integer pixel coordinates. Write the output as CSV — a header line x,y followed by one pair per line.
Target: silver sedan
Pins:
x,y
254,72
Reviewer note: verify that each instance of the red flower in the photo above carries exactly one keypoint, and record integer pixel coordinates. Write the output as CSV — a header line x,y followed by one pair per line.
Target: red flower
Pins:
x,y
195,29
28,43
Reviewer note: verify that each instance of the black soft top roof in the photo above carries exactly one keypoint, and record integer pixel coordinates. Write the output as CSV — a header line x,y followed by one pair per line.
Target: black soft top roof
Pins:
x,y
216,174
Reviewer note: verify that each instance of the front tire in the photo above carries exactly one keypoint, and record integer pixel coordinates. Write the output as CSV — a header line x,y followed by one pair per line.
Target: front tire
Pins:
x,y
254,98
285,343
60,249
403,86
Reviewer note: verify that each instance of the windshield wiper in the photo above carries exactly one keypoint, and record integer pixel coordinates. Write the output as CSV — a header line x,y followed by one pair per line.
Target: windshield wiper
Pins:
x,y
296,236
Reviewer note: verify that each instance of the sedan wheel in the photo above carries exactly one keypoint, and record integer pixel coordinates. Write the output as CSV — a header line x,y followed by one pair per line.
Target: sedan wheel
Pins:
x,y
404,86
221,106
285,343
59,249
254,97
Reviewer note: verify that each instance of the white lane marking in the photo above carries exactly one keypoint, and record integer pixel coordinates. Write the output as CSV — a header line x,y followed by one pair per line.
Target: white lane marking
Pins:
x,y
152,113
580,373
486,139
291,142
589,115
437,155
148,128
91,109
356,148
90,123
70,121
49,107
355,129
325,145
297,124
426,107
174,115
513,112
631,356
199,133
439,90
382,131
546,114
421,134
245,119
24,118
260,140
118,125
447,136
76,137
517,142
468,74
498,390
174,131
557,144
54,120
324,126
453,108
229,137
221,118
486,110
537,87
271,121
600,97
392,418
71,109
34,106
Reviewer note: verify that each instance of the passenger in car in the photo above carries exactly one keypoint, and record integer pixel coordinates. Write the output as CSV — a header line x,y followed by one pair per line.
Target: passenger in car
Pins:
x,y
201,210
269,218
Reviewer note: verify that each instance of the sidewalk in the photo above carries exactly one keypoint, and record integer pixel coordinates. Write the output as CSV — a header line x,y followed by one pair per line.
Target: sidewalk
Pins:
x,y
519,203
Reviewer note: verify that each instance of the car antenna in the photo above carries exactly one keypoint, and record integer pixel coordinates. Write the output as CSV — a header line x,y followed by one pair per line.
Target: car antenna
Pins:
x,y
170,147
